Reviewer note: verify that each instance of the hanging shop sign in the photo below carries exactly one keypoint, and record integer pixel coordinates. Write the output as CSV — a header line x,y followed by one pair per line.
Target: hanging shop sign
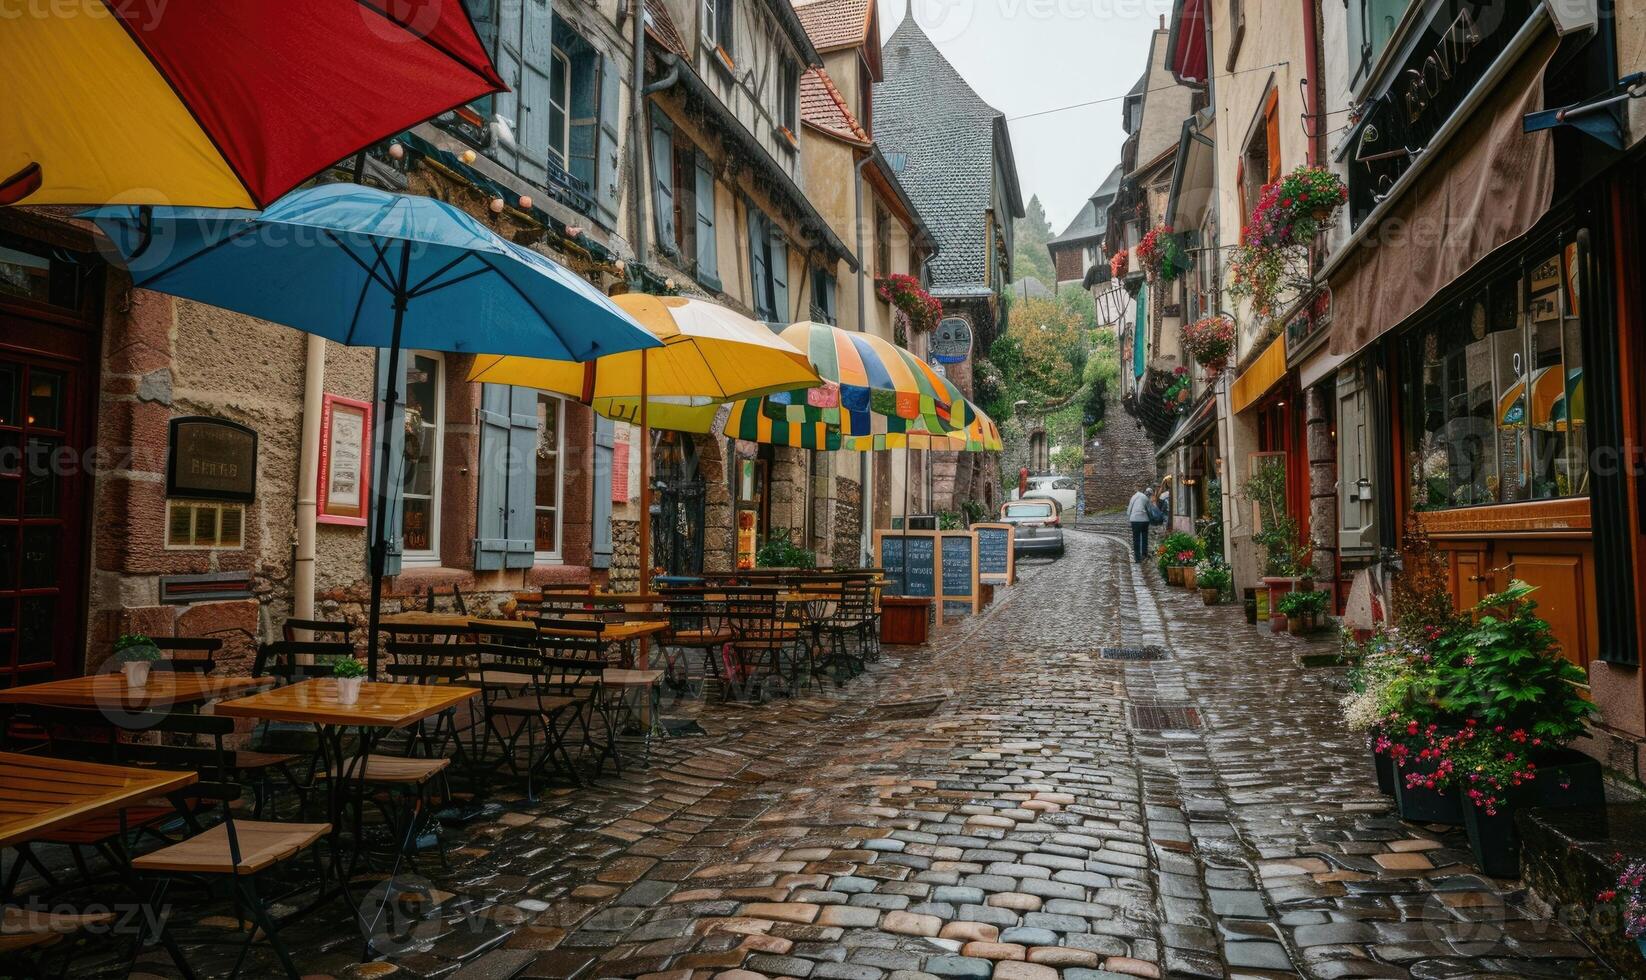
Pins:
x,y
211,459
1441,62
345,461
952,341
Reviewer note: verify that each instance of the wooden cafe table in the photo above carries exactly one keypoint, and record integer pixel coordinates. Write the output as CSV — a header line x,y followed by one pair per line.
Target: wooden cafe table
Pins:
x,y
381,708
165,689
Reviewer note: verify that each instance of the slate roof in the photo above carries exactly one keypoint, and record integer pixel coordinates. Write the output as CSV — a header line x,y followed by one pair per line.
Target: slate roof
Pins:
x,y
823,107
925,109
835,24
1093,219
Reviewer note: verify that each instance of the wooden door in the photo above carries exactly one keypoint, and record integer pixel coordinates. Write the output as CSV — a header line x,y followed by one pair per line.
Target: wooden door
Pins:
x,y
1564,598
1471,576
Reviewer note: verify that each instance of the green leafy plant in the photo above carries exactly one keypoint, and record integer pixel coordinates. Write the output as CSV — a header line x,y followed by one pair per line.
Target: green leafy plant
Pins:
x,y
781,552
1178,548
1277,533
347,667
949,520
1508,672
133,648
1303,602
1212,574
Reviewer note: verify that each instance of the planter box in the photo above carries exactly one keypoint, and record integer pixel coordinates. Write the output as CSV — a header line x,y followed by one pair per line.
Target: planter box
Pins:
x,y
1385,766
903,620
1210,596
1174,574
1493,838
1423,805
1277,586
1566,780
1189,574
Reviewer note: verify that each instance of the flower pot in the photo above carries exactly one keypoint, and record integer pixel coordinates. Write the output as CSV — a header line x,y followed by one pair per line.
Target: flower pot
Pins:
x,y
1210,596
1384,763
348,689
1277,586
1493,837
137,673
1296,625
1189,576
1174,574
1423,805
1566,778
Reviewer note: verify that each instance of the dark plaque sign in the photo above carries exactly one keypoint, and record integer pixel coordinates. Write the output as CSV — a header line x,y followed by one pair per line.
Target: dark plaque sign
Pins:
x,y
211,459
952,343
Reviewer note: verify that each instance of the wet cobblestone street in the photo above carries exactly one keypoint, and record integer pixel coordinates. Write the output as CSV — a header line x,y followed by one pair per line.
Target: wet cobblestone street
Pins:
x,y
1010,804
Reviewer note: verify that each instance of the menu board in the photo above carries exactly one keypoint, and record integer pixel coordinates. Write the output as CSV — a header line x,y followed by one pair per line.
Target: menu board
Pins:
x,y
918,575
994,553
958,555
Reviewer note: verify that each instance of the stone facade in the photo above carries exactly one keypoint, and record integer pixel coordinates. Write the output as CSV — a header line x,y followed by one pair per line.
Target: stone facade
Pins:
x,y
1122,460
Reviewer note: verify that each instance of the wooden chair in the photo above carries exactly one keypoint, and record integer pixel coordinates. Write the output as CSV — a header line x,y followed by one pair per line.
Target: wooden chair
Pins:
x,y
221,846
194,654
526,690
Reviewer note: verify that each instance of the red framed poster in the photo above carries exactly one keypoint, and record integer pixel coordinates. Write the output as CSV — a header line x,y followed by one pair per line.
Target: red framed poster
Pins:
x,y
345,461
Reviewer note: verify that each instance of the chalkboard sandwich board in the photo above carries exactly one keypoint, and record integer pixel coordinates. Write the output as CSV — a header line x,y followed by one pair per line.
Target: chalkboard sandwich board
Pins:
x,y
918,575
958,556
995,565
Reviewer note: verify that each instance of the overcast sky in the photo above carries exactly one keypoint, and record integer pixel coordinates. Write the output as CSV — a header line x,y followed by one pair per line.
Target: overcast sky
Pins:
x,y
1027,56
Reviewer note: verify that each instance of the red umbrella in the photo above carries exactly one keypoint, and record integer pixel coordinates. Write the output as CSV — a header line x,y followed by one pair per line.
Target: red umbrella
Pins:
x,y
220,103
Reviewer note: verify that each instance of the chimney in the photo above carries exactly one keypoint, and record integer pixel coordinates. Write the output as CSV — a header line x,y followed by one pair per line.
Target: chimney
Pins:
x,y
1162,21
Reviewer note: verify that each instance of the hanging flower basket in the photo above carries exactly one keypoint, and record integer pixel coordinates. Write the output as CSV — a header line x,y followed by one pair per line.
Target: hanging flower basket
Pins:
x,y
1210,341
1120,263
1162,254
906,295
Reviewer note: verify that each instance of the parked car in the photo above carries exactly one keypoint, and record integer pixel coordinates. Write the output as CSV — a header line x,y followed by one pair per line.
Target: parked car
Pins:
x,y
1036,527
1062,489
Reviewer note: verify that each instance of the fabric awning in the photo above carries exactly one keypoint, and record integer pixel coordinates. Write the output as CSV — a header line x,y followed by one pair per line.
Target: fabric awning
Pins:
x,y
1257,379
1194,423
1490,185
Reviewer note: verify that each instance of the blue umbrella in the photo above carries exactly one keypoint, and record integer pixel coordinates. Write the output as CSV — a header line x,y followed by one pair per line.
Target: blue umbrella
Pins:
x,y
367,268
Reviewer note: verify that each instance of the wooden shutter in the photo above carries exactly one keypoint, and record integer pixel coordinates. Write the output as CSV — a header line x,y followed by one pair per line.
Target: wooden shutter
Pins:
x,y
583,124
778,260
1356,516
759,282
604,439
663,179
1240,191
491,514
508,60
1271,123
520,528
708,261
537,65
389,471
607,159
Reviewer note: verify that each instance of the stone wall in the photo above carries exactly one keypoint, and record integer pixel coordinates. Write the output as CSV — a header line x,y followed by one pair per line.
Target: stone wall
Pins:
x,y
847,526
625,571
1123,459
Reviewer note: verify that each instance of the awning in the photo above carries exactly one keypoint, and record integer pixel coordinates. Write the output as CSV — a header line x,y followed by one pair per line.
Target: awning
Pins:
x,y
1257,379
1186,42
1490,185
1192,426
1318,367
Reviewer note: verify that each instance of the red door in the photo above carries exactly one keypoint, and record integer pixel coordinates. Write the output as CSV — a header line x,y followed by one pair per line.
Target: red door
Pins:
x,y
44,482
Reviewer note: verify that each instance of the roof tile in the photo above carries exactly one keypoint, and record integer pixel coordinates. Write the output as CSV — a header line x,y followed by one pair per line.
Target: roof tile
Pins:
x,y
822,106
835,24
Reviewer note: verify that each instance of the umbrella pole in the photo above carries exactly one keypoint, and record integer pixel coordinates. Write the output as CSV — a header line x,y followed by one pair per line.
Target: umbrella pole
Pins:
x,y
380,529
905,520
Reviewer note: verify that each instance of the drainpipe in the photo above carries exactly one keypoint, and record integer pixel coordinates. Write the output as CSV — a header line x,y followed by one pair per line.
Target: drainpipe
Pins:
x,y
1311,65
637,126
857,206
864,473
308,465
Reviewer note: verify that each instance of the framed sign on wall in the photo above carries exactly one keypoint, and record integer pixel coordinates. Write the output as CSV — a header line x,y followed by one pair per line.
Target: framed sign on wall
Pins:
x,y
345,461
211,459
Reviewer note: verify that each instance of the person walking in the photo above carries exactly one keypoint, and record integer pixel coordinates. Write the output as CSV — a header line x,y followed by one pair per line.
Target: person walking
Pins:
x,y
1137,511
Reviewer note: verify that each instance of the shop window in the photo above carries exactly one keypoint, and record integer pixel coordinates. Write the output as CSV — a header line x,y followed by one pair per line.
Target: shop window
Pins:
x,y
549,487
1495,393
420,481
30,271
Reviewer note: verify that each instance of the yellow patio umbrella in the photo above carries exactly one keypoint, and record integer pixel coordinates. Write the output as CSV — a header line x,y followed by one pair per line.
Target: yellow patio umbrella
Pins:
x,y
709,355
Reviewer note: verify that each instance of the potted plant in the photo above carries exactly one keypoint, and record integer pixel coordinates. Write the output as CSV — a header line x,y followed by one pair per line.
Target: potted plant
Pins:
x,y
1210,341
1276,535
1120,263
780,551
1212,577
1188,560
349,673
1630,897
1397,679
1177,550
1303,609
1522,708
136,654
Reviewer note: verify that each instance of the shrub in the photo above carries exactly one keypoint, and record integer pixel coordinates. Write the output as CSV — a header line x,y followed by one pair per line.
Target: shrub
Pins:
x,y
1212,574
781,552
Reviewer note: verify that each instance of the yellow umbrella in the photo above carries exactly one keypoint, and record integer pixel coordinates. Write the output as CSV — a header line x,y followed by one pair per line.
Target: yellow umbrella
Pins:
x,y
709,355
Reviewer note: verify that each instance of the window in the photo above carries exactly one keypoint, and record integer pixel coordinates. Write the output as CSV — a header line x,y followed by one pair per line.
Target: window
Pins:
x,y
560,69
717,24
685,202
768,269
824,304
420,484
1237,32
1495,394
788,95
1260,163
550,446
1371,25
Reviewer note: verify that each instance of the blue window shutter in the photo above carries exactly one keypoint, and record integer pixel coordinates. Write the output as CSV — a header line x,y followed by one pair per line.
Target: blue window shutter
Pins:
x,y
607,159
390,471
537,65
605,438
520,525
663,179
491,513
759,284
708,260
584,108
779,260
507,59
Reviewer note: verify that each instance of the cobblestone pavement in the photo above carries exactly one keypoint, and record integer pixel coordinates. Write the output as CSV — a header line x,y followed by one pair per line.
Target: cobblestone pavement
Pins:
x,y
1009,805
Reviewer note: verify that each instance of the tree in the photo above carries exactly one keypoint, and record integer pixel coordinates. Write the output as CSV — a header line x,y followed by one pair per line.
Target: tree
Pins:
x,y
1044,355
1030,234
